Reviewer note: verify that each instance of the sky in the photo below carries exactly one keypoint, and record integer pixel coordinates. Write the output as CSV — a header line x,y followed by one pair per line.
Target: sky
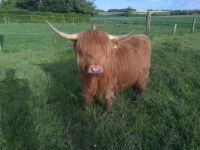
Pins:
x,y
148,4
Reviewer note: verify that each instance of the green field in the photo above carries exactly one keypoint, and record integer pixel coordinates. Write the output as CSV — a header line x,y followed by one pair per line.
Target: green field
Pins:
x,y
160,20
138,12
40,95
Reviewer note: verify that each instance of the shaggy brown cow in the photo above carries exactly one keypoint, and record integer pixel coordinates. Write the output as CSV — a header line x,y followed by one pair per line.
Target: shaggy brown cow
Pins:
x,y
107,63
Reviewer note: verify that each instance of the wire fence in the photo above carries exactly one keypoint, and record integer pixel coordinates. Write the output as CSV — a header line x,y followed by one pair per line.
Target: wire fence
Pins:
x,y
13,18
168,24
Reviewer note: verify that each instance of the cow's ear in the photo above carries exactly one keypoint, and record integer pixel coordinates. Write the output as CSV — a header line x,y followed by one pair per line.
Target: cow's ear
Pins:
x,y
79,51
115,43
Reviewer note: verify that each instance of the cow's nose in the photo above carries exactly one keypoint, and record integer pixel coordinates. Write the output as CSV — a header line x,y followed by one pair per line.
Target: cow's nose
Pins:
x,y
95,69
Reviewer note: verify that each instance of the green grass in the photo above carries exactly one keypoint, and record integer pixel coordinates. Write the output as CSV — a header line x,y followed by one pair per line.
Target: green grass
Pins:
x,y
138,12
40,95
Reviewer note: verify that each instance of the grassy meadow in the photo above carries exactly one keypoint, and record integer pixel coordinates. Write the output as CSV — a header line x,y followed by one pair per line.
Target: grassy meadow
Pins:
x,y
156,20
40,95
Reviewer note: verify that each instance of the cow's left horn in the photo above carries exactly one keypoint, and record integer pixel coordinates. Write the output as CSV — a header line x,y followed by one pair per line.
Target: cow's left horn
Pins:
x,y
62,34
112,37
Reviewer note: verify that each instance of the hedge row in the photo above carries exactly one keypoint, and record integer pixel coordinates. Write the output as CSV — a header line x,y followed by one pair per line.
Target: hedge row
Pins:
x,y
21,16
40,19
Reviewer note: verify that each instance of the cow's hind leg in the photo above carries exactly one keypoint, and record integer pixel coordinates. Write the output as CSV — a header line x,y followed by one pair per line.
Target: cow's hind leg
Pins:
x,y
139,87
137,92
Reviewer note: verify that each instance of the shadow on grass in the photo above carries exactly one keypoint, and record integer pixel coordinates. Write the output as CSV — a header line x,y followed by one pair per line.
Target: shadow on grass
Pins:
x,y
17,129
65,89
64,85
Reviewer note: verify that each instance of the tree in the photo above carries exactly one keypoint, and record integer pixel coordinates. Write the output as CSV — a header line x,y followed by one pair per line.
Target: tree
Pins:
x,y
128,12
121,10
59,6
28,4
83,6
8,3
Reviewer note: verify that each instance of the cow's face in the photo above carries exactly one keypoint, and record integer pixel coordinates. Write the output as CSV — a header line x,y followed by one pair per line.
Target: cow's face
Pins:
x,y
93,50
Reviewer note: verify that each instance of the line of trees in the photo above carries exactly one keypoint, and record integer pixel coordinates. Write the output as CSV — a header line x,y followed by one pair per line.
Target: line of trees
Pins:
x,y
128,11
58,6
122,10
185,12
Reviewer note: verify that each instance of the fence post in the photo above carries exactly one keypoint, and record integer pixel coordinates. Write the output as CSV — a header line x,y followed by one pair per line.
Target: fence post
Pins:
x,y
73,21
5,21
148,23
131,21
63,19
31,18
174,29
8,19
93,26
1,41
193,24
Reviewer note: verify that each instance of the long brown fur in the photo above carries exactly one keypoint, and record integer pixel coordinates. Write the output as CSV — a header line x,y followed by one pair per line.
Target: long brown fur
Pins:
x,y
126,62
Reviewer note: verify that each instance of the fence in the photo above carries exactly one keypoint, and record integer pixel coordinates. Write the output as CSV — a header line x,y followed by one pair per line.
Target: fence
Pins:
x,y
13,18
148,21
26,32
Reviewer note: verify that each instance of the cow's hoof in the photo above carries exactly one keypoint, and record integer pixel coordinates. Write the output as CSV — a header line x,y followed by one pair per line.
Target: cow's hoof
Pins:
x,y
137,98
135,101
84,105
107,108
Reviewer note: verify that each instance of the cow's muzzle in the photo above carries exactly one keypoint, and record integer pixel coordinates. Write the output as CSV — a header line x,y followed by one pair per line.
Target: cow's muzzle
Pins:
x,y
95,69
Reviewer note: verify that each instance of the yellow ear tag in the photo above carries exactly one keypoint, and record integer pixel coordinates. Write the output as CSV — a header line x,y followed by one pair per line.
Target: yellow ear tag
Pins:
x,y
114,46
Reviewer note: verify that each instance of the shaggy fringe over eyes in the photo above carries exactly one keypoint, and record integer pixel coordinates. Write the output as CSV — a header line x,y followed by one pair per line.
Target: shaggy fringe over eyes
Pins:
x,y
93,43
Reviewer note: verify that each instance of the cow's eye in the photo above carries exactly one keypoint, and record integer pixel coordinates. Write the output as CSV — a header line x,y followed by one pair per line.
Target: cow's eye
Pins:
x,y
89,55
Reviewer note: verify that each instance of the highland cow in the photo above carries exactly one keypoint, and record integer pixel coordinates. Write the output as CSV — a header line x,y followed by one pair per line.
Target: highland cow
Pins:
x,y
107,63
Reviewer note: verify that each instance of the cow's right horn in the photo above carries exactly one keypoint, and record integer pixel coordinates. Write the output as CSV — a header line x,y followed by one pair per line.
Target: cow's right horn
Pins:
x,y
62,34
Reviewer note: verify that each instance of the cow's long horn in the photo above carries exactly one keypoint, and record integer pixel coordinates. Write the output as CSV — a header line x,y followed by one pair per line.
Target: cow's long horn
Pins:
x,y
112,37
62,34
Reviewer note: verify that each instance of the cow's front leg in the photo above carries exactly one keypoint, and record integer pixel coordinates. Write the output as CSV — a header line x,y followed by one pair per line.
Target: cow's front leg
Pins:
x,y
89,91
88,95
109,95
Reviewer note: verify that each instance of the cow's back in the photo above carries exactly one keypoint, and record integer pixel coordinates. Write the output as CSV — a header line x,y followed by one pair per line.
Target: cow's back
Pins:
x,y
132,60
